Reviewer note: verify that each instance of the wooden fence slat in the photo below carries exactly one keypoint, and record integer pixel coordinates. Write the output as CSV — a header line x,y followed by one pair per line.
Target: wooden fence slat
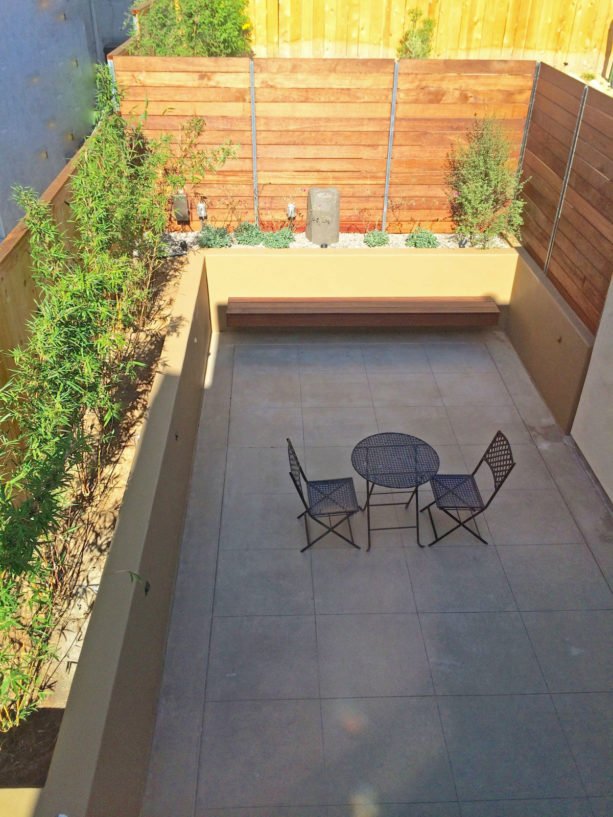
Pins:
x,y
336,80
500,110
462,96
231,65
597,160
172,94
325,95
183,79
323,66
465,67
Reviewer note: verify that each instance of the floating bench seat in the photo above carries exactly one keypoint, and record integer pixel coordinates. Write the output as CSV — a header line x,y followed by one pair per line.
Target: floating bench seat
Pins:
x,y
361,312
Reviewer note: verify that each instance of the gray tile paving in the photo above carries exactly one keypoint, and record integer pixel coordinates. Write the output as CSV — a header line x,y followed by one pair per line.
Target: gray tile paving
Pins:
x,y
363,804
574,648
262,657
587,719
528,808
469,579
462,680
602,806
371,655
508,746
480,653
386,749
375,582
267,582
256,753
555,577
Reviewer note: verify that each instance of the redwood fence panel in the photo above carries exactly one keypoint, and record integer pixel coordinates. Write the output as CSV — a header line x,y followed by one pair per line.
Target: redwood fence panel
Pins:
x,y
581,260
172,90
554,117
568,227
322,123
438,101
326,122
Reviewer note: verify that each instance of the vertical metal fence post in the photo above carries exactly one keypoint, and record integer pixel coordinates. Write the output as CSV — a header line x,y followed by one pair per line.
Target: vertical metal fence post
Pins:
x,y
524,141
390,145
569,165
254,159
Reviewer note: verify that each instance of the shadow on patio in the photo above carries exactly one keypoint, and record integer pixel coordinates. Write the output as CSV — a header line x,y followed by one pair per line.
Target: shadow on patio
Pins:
x,y
459,680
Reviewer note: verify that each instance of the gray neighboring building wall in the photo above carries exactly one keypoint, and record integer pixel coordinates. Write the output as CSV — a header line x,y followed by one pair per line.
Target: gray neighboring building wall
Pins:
x,y
48,50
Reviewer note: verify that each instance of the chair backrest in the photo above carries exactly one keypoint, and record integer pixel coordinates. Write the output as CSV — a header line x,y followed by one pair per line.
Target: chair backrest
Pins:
x,y
295,471
499,457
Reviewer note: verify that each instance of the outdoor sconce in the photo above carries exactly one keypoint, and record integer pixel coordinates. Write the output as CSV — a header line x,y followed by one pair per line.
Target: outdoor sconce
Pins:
x,y
291,211
201,210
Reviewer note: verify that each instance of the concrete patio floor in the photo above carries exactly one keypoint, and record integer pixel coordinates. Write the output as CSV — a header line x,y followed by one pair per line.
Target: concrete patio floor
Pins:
x,y
458,681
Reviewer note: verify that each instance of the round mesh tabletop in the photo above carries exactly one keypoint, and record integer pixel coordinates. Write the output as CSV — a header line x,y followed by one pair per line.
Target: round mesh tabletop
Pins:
x,y
395,460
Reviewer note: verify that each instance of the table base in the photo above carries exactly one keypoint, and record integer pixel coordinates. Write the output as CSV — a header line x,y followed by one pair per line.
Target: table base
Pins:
x,y
414,494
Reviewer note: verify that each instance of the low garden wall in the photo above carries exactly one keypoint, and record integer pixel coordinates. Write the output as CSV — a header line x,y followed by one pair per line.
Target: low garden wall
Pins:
x,y
100,762
378,272
594,418
552,342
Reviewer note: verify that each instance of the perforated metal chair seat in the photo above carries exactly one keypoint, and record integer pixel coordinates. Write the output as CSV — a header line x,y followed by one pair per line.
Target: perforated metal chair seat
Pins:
x,y
331,496
323,498
457,492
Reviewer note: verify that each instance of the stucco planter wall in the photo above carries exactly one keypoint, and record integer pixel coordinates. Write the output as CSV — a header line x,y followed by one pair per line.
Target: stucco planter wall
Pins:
x,y
102,754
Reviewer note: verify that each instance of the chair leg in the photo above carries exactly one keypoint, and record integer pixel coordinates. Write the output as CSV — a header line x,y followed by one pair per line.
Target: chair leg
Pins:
x,y
459,524
328,529
352,536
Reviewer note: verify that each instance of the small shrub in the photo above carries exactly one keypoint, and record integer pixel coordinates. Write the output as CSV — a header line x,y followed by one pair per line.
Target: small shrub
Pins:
x,y
376,238
279,240
248,234
416,40
214,237
193,28
421,238
484,197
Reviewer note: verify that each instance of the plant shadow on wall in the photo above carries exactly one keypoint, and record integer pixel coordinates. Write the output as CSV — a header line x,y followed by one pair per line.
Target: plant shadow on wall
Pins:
x,y
485,192
78,389
192,28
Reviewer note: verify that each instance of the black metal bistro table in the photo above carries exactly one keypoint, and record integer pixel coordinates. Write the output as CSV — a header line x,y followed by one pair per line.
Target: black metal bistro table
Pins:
x,y
397,461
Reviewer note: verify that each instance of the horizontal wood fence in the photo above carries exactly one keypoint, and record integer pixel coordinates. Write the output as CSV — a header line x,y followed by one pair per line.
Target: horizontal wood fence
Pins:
x,y
327,123
17,290
569,193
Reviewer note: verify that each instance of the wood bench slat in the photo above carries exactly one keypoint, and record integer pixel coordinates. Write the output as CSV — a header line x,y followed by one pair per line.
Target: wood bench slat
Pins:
x,y
367,312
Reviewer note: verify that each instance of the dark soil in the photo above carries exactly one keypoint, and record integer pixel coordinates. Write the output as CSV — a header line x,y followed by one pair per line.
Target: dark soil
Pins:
x,y
26,750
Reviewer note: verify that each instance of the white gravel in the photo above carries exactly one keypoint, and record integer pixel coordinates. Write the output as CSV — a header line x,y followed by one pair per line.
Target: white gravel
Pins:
x,y
346,240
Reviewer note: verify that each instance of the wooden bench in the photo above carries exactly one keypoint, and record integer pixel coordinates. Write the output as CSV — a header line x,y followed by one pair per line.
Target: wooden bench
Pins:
x,y
361,312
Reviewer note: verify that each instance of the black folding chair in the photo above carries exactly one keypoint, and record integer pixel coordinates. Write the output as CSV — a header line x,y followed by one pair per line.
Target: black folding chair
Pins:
x,y
455,494
324,498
